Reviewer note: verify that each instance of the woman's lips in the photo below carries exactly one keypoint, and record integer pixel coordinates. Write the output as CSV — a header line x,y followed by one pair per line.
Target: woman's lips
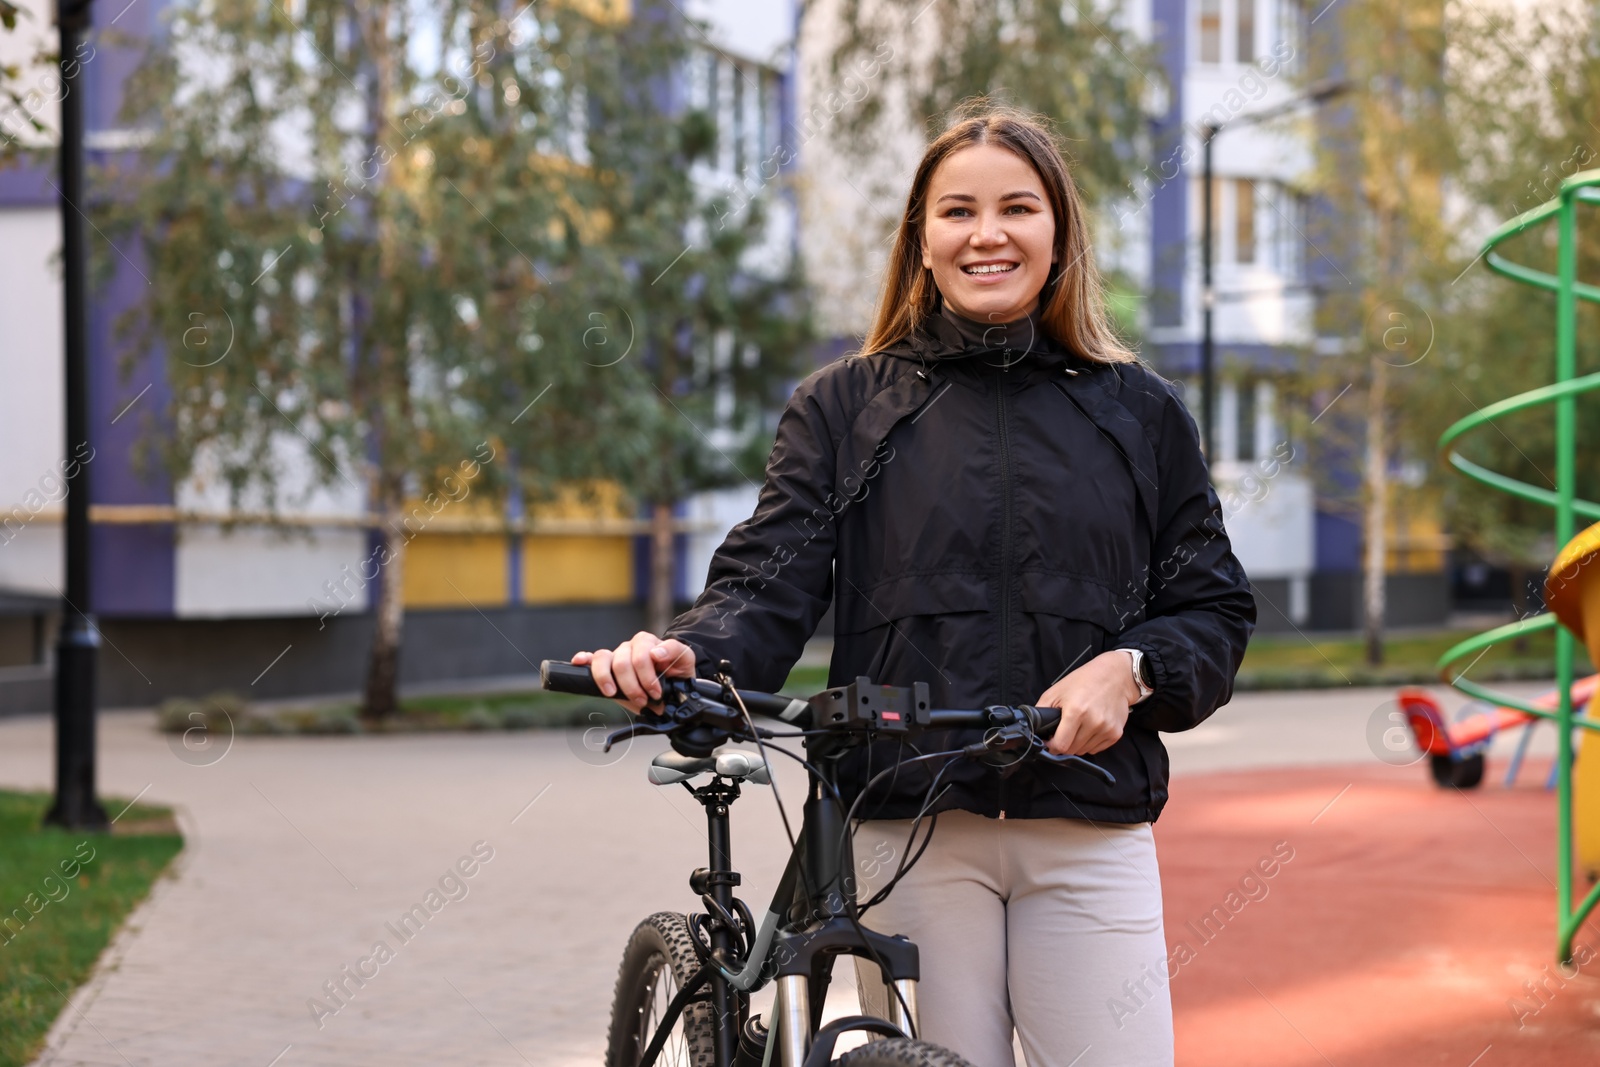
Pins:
x,y
989,273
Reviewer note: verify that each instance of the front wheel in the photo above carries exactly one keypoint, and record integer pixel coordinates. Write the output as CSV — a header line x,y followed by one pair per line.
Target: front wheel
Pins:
x,y
900,1052
657,962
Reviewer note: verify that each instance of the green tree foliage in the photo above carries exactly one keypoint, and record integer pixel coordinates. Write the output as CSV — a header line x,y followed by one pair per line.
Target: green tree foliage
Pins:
x,y
1463,117
415,242
1076,63
1383,155
1525,107
712,300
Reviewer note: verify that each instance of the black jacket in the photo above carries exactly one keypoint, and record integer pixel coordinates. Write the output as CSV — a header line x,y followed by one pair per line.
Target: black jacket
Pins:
x,y
986,521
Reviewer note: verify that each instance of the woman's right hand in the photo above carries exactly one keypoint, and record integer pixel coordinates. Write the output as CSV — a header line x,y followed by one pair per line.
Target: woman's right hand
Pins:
x,y
631,673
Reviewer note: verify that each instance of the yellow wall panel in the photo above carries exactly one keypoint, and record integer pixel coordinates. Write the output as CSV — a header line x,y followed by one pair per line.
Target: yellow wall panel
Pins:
x,y
593,500
456,570
562,569
1417,541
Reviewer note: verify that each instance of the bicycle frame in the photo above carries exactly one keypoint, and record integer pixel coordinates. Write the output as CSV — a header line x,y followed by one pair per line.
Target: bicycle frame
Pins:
x,y
806,926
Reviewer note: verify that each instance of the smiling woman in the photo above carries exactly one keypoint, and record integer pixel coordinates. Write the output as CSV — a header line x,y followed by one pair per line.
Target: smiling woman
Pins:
x,y
1010,552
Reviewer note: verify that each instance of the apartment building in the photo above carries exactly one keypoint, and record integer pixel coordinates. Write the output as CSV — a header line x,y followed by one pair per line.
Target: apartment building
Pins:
x,y
193,596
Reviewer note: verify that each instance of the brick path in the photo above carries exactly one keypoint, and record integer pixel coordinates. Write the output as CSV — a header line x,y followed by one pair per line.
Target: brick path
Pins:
x,y
301,852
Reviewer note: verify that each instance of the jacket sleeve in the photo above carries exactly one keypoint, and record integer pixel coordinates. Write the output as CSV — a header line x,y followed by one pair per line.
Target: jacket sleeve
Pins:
x,y
772,580
1199,611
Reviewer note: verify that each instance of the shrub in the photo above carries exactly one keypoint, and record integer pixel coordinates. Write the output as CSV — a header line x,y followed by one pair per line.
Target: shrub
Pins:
x,y
479,717
520,717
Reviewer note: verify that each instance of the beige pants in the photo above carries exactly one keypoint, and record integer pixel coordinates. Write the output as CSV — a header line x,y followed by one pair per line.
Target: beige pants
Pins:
x,y
1052,926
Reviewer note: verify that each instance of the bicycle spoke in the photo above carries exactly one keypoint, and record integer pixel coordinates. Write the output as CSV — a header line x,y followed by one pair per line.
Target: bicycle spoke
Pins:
x,y
662,986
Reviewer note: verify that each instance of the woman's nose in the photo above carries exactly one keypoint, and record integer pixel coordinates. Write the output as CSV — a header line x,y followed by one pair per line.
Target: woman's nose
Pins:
x,y
990,231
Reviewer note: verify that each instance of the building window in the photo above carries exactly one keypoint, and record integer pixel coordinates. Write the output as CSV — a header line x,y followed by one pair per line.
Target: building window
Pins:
x,y
1211,31
1234,223
741,100
1289,225
1244,221
1226,29
1245,432
1290,16
1245,32
737,133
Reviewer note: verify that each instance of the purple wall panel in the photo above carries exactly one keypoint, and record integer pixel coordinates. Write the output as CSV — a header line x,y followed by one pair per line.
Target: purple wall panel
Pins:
x,y
27,185
1338,541
132,571
1169,221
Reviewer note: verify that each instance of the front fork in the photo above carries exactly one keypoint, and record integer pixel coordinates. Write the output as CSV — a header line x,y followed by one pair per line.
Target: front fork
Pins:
x,y
793,1014
828,874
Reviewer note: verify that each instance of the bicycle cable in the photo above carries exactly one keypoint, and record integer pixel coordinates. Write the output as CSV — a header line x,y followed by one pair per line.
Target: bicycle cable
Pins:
x,y
783,813
929,799
851,912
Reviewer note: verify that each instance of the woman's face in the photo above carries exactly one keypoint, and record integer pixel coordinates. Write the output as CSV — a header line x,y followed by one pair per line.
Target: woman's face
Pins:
x,y
990,234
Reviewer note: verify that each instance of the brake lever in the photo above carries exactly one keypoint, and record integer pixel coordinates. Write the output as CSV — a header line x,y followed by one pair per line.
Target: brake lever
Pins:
x,y
654,724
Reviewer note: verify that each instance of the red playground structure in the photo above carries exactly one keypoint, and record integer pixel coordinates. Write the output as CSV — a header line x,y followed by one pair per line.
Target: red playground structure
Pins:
x,y
1456,750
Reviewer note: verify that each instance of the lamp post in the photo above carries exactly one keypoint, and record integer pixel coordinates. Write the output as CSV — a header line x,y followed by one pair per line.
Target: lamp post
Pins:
x,y
75,804
1316,94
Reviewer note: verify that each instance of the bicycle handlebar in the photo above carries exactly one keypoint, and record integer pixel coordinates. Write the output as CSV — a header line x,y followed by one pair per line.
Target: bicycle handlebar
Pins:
x,y
561,677
860,706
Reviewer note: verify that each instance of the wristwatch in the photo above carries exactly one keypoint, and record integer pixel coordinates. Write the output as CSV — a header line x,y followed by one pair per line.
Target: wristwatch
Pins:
x,y
1140,673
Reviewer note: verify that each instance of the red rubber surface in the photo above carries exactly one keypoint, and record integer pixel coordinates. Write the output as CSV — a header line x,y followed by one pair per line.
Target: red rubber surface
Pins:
x,y
1400,932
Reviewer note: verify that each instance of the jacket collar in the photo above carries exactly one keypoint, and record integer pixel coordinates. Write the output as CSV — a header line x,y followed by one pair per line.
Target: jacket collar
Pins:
x,y
938,340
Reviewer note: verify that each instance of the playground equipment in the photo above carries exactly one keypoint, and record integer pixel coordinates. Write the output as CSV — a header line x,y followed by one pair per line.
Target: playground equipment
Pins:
x,y
1582,587
1572,592
1456,751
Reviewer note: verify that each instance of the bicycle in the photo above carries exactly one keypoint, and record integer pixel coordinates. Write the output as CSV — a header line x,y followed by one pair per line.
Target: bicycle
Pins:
x,y
686,980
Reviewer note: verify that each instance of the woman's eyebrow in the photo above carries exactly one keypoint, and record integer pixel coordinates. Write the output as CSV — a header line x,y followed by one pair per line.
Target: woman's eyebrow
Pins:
x,y
970,199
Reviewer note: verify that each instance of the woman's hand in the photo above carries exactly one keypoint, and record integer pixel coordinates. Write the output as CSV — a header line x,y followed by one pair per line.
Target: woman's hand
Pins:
x,y
1094,700
636,668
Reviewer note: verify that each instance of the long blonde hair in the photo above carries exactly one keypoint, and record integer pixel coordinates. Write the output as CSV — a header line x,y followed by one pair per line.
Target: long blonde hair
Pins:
x,y
1072,302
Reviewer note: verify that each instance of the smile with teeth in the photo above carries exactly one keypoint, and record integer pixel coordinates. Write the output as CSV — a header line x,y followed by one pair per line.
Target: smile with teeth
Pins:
x,y
990,268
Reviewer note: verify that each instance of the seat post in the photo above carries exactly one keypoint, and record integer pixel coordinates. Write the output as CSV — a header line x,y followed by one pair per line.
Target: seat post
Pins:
x,y
716,882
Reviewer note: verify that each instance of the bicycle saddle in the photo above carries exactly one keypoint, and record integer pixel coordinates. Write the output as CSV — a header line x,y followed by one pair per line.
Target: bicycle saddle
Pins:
x,y
670,767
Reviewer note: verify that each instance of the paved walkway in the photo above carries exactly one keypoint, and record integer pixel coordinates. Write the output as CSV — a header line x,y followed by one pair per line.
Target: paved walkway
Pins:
x,y
303,853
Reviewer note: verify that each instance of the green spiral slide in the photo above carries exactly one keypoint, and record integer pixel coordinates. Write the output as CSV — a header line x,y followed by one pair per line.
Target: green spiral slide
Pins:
x,y
1562,393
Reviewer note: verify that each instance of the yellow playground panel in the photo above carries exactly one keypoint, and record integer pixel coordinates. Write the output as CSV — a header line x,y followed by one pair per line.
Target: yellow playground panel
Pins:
x,y
1572,592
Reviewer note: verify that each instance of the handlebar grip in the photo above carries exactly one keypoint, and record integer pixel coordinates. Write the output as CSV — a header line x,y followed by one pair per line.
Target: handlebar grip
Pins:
x,y
559,676
791,710
1049,719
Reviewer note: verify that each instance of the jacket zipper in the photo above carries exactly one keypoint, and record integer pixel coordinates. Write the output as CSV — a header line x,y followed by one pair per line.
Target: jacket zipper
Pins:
x,y
1005,557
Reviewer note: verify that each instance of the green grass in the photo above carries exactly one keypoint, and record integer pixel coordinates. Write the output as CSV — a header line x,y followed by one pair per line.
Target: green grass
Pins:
x,y
48,953
1311,660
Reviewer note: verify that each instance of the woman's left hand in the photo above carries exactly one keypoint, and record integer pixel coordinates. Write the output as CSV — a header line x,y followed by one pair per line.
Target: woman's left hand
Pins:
x,y
1094,700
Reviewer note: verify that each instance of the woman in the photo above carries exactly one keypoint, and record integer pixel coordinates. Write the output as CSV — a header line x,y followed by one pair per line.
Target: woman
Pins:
x,y
999,500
